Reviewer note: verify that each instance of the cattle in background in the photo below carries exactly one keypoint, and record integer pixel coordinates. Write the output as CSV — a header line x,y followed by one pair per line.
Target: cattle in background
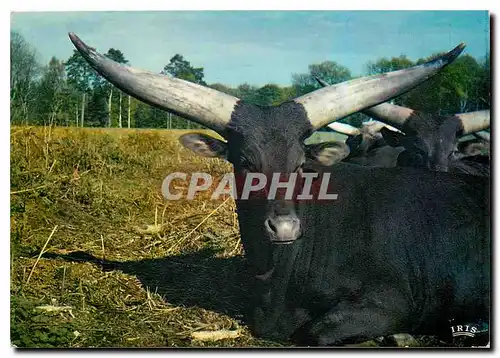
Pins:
x,y
360,140
477,144
366,145
429,141
472,155
400,250
368,148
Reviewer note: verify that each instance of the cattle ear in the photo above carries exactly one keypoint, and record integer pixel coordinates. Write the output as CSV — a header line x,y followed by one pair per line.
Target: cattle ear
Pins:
x,y
393,138
204,145
327,153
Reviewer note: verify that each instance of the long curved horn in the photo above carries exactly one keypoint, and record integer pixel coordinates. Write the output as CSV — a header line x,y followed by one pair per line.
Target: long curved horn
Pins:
x,y
332,103
321,82
197,103
483,135
386,112
390,114
376,126
344,128
398,115
474,121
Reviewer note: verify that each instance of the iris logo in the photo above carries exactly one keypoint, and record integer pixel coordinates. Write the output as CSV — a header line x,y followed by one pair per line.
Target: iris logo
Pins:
x,y
464,330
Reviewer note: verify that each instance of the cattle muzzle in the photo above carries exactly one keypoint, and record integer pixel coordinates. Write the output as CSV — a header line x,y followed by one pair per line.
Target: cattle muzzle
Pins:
x,y
283,229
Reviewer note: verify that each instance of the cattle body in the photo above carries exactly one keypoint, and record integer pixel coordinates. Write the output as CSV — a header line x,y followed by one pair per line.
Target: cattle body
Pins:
x,y
411,270
399,250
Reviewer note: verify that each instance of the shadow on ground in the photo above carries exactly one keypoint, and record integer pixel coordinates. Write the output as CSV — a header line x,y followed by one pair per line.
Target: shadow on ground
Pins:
x,y
195,279
217,284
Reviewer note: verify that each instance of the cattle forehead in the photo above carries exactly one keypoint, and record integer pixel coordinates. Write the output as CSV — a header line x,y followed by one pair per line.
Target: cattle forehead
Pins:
x,y
428,124
288,119
271,134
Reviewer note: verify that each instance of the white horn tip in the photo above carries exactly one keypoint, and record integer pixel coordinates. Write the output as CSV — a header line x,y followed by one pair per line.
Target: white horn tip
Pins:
x,y
448,57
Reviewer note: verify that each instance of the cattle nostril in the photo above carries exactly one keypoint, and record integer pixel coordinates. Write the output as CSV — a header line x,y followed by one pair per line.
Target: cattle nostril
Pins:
x,y
283,229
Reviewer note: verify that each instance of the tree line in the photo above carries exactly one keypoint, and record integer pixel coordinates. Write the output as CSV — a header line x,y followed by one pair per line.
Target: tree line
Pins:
x,y
71,93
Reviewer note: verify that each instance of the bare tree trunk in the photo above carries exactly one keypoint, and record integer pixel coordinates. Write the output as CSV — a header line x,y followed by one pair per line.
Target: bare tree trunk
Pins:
x,y
120,112
25,112
128,115
76,111
463,102
109,106
25,103
463,105
52,118
83,109
55,111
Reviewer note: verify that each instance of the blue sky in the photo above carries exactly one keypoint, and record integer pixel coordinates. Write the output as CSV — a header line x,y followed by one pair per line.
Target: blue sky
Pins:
x,y
257,47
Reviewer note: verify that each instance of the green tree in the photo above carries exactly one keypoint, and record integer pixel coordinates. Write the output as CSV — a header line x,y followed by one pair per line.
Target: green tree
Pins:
x,y
328,71
109,89
69,106
82,78
332,73
142,116
97,112
384,65
225,89
268,95
25,71
463,85
247,92
455,89
180,68
484,84
288,93
51,93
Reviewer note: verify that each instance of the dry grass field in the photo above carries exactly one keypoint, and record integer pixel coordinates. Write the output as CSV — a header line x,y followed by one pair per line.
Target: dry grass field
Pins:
x,y
100,259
